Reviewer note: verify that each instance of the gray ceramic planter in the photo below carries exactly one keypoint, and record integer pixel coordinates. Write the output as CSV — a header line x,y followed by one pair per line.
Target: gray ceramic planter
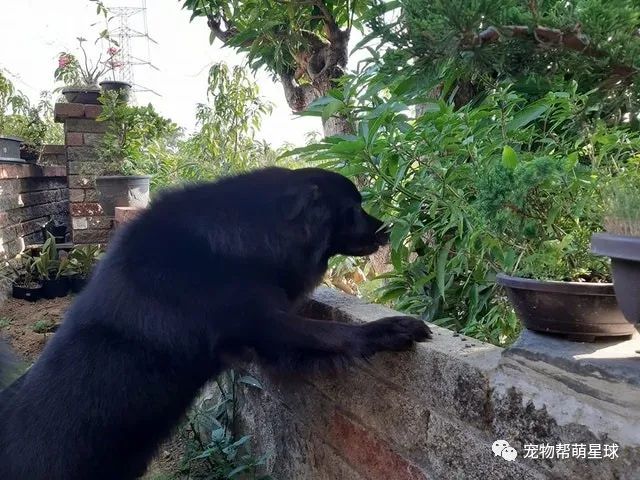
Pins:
x,y
625,269
122,191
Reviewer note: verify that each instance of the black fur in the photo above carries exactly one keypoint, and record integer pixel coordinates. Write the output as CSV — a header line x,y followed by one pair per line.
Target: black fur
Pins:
x,y
206,272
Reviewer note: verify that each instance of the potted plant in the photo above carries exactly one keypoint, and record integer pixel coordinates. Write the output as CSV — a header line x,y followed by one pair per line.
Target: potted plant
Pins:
x,y
25,285
545,213
82,79
121,88
621,242
82,260
11,103
55,228
52,269
131,131
24,127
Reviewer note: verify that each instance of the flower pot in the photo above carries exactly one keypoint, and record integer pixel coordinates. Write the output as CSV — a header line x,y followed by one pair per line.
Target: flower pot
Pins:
x,y
31,293
58,287
10,149
625,269
59,232
76,284
122,191
29,152
84,95
123,88
580,310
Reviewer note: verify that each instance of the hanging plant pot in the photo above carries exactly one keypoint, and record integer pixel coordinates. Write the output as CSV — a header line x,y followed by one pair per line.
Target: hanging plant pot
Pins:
x,y
58,287
10,149
624,252
84,95
122,191
29,292
123,88
581,311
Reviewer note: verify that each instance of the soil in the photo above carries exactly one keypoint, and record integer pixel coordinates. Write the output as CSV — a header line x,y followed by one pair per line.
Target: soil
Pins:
x,y
17,319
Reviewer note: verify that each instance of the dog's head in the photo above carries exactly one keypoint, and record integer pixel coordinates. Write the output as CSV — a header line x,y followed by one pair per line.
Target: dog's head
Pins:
x,y
327,200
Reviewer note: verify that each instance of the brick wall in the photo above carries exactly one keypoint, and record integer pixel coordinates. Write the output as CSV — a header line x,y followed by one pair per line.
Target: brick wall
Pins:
x,y
435,412
82,134
29,194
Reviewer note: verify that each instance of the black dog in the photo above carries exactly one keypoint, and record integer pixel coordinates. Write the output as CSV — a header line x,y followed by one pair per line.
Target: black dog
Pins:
x,y
207,271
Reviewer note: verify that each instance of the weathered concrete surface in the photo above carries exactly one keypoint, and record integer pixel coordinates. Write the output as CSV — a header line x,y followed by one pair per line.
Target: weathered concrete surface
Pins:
x,y
435,412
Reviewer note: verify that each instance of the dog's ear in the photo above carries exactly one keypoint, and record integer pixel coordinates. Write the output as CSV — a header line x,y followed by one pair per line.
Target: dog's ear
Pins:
x,y
297,198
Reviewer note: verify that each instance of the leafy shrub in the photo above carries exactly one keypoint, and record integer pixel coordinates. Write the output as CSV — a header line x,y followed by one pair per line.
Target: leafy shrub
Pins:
x,y
509,184
132,134
487,132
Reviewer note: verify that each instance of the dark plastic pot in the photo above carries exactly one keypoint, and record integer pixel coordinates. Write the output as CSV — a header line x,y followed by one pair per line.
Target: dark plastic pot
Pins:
x,y
10,149
58,287
580,310
77,284
122,191
123,88
30,294
625,269
84,95
29,152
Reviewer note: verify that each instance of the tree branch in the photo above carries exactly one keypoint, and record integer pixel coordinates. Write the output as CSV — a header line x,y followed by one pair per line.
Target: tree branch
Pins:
x,y
573,40
333,30
215,24
298,96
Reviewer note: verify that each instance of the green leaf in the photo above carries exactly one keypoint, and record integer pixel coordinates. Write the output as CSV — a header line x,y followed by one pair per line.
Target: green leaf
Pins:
x,y
509,157
441,264
526,116
331,108
353,147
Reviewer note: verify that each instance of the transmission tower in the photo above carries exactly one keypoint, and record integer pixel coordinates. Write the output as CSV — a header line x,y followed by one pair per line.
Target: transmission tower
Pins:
x,y
129,37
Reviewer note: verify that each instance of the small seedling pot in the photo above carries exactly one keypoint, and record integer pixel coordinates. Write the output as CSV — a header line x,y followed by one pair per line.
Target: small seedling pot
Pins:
x,y
580,311
58,287
625,269
23,292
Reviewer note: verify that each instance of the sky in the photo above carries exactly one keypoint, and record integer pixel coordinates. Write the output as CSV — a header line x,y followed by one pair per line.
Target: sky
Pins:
x,y
33,32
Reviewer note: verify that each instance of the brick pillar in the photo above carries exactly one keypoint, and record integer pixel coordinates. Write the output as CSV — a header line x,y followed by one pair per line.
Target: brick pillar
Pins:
x,y
82,134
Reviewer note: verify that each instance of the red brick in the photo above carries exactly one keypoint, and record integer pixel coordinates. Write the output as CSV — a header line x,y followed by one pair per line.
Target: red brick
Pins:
x,y
20,170
74,139
62,111
92,111
76,195
53,150
369,454
85,209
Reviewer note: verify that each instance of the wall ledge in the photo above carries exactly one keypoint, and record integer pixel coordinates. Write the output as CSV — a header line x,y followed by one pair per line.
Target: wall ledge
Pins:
x,y
434,412
30,170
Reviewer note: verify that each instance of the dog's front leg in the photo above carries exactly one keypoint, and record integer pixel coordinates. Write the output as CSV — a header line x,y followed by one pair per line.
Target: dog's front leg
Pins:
x,y
297,341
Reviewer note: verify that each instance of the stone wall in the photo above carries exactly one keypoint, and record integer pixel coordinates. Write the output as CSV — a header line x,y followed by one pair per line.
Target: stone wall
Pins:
x,y
29,194
434,413
82,134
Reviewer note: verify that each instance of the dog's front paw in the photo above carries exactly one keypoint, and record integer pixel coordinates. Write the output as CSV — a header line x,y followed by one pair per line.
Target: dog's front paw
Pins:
x,y
395,334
